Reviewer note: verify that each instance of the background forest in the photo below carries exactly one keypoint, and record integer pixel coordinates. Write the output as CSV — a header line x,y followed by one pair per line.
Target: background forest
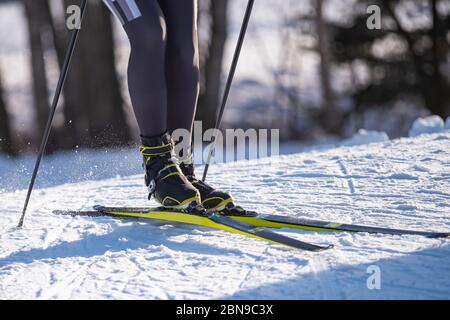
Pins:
x,y
311,68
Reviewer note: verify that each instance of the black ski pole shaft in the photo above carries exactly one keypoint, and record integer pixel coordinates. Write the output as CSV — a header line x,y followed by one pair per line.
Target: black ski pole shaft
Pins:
x,y
234,63
59,88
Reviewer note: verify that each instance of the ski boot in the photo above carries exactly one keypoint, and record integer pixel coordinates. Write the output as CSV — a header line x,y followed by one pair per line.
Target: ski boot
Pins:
x,y
163,177
212,199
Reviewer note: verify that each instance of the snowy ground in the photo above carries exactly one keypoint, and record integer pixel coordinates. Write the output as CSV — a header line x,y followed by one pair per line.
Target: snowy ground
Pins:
x,y
400,183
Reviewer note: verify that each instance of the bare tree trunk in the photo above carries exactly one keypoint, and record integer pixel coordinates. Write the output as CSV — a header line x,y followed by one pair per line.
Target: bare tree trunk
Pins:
x,y
210,97
93,108
437,95
68,136
38,25
105,109
330,116
74,131
6,145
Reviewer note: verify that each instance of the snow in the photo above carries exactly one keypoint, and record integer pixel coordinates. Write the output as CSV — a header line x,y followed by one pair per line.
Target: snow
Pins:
x,y
430,124
401,183
365,137
70,167
447,124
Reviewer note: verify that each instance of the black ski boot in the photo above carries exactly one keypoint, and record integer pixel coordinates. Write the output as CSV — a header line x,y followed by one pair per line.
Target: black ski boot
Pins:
x,y
163,176
212,199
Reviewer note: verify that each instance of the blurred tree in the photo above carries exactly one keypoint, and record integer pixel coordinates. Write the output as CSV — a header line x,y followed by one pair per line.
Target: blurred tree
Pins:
x,y
39,25
6,145
405,59
212,68
73,132
93,105
93,110
330,116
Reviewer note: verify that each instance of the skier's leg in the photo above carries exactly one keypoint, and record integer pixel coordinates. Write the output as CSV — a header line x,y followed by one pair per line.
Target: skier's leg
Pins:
x,y
183,87
182,66
144,24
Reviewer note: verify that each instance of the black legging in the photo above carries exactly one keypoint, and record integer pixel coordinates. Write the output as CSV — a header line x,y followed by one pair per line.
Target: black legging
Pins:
x,y
163,72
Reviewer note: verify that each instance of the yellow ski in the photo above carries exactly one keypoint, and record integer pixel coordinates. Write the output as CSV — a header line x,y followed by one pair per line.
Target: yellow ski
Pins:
x,y
209,219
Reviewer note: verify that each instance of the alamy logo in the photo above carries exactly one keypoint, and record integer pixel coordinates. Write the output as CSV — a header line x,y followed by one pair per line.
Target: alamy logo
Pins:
x,y
236,144
74,19
374,280
374,20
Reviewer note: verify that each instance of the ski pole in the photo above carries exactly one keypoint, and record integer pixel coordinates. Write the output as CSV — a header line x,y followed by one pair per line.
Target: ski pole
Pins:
x,y
234,63
59,88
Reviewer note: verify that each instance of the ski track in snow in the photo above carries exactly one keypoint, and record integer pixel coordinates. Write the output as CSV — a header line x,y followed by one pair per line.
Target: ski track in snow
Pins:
x,y
403,183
